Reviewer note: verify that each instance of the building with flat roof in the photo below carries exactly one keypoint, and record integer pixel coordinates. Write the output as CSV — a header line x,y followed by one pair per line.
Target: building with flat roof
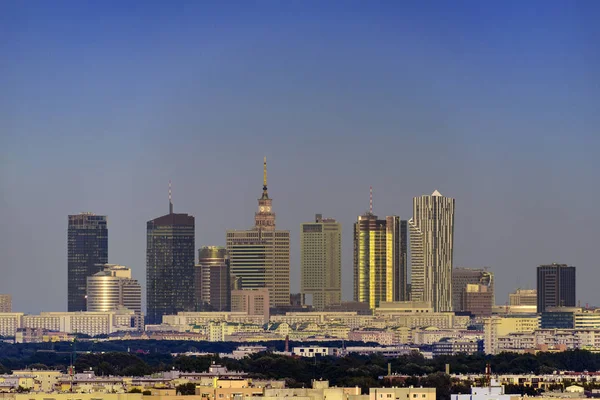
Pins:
x,y
321,262
523,297
251,302
212,280
5,303
556,286
87,252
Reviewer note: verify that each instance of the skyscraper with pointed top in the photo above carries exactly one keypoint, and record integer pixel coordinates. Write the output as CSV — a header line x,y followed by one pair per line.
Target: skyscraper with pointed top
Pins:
x,y
380,258
432,250
260,257
170,243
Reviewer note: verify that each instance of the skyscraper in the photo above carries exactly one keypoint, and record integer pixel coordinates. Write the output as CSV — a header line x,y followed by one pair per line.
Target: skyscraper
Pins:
x,y
87,252
212,280
379,259
5,303
431,245
321,262
260,257
113,288
461,277
170,247
555,286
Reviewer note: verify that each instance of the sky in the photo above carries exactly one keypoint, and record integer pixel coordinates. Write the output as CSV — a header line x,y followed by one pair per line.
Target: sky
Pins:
x,y
496,104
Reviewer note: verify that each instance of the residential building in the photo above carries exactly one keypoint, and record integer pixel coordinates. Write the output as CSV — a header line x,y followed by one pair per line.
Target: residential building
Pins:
x,y
432,250
523,297
454,346
260,257
315,351
320,390
212,280
461,277
496,326
251,302
113,288
495,391
5,303
321,262
87,251
379,259
170,243
556,286
401,393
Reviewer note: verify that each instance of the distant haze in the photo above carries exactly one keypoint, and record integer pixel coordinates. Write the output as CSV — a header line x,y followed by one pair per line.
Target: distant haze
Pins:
x,y
495,104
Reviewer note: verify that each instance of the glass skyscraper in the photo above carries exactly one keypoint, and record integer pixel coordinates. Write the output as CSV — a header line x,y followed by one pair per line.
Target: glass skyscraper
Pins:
x,y
87,252
556,286
170,243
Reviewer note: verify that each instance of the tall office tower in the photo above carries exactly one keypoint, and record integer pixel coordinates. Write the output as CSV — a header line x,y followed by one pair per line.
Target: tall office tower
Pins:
x,y
321,262
523,297
251,302
87,252
5,303
555,286
113,288
212,280
379,259
170,244
478,300
461,277
431,246
260,257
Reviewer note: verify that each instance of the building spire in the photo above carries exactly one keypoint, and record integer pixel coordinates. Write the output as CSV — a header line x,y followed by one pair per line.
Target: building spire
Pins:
x,y
265,174
370,199
170,199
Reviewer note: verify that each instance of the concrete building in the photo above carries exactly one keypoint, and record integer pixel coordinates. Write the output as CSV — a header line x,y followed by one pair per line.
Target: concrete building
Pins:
x,y
495,391
478,300
454,346
251,302
461,277
380,259
316,351
212,280
432,250
113,288
319,390
260,257
496,326
556,286
523,297
321,262
399,393
5,303
170,248
87,251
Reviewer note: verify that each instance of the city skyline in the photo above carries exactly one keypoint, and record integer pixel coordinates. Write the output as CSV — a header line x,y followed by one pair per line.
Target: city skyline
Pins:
x,y
494,106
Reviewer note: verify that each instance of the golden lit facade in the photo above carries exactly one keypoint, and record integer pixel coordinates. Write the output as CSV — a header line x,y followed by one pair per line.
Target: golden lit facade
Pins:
x,y
321,262
432,250
379,259
260,257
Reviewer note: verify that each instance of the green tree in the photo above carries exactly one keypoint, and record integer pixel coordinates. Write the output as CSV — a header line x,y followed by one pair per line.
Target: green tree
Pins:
x,y
186,389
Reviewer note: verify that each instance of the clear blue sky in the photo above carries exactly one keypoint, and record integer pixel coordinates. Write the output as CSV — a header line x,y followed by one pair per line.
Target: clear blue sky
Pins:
x,y
496,104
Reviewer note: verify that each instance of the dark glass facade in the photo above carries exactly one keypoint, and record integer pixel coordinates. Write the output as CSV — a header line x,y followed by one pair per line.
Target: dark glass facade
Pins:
x,y
87,252
170,248
556,286
557,320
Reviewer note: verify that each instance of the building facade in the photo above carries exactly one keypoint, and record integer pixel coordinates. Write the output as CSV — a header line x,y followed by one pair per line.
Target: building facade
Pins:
x,y
432,250
87,252
260,257
461,277
251,302
556,286
321,262
379,259
170,248
212,280
114,288
5,303
523,297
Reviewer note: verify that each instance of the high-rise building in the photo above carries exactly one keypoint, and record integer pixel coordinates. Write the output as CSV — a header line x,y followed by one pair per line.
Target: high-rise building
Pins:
x,y
5,303
251,302
170,247
478,300
379,259
112,289
321,262
523,297
432,250
260,257
555,286
461,277
212,280
87,248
